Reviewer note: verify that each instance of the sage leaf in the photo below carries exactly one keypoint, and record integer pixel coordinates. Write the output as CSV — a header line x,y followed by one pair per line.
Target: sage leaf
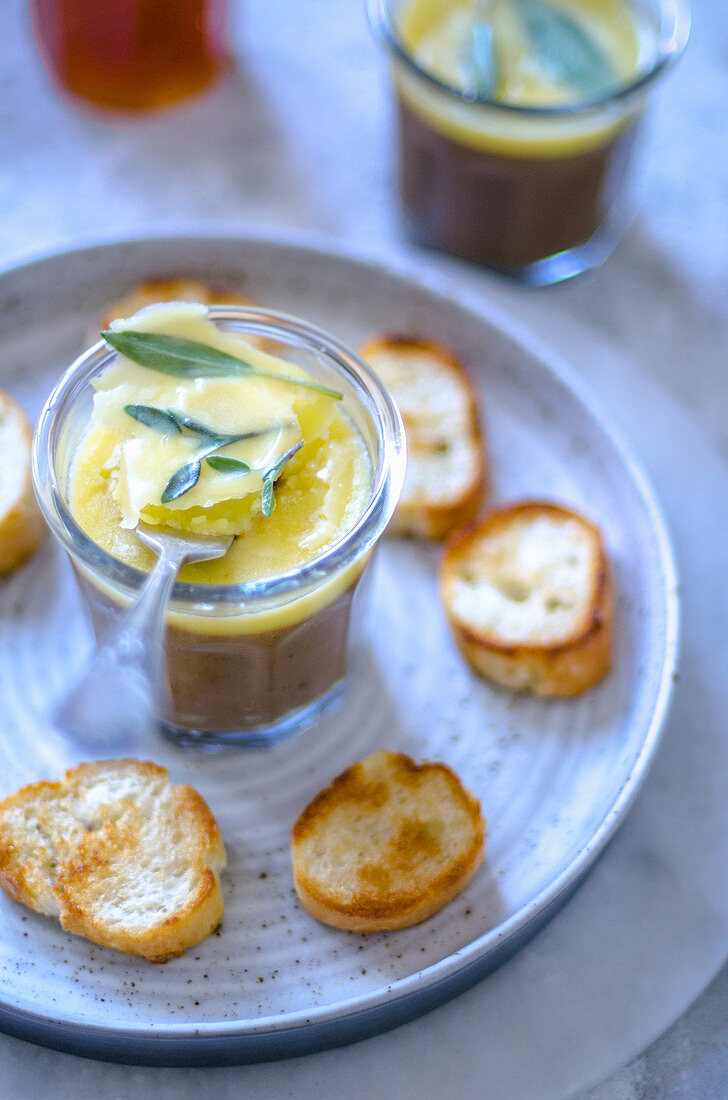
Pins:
x,y
268,499
479,62
227,465
565,49
184,358
158,419
181,482
175,355
194,426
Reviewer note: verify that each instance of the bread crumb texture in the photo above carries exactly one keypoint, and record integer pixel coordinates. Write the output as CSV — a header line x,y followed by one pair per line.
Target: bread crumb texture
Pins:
x,y
528,594
446,465
21,525
116,854
387,844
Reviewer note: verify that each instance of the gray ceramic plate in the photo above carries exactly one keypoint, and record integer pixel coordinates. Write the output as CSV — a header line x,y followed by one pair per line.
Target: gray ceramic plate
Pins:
x,y
555,778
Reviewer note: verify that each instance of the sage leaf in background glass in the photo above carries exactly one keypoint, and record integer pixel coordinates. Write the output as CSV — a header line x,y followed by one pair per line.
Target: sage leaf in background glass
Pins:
x,y
158,419
181,482
565,49
268,499
228,465
184,358
479,62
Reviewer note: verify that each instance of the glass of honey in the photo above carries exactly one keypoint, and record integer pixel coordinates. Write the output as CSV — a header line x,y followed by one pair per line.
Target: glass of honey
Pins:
x,y
131,55
518,122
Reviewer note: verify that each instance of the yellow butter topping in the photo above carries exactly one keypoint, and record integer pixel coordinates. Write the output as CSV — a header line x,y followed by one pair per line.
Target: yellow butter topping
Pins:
x,y
122,466
435,34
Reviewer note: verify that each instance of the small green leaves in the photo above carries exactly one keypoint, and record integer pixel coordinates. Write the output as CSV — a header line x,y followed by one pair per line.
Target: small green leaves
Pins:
x,y
181,482
268,499
164,420
227,465
184,358
567,52
479,62
158,419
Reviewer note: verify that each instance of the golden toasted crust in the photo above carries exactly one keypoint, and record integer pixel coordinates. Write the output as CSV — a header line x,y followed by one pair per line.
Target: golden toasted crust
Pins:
x,y
117,855
446,476
540,614
21,525
179,289
387,844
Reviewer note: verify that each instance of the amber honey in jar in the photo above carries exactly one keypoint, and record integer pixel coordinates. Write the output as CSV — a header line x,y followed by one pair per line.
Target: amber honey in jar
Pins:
x,y
131,55
518,121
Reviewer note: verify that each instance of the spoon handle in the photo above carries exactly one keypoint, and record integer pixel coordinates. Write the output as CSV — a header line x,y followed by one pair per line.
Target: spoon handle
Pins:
x,y
117,700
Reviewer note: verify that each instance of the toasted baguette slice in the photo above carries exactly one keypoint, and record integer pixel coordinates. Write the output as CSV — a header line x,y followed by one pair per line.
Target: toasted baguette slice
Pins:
x,y
446,465
180,289
21,524
117,855
528,594
387,844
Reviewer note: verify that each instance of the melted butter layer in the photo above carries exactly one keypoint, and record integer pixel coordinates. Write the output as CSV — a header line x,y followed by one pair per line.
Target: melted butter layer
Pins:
x,y
122,466
436,32
433,33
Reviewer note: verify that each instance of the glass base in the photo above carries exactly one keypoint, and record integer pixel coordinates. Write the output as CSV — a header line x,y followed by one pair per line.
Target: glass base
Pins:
x,y
295,721
556,268
565,265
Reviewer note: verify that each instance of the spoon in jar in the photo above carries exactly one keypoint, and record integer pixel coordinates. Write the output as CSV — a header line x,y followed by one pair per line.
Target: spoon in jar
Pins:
x,y
118,699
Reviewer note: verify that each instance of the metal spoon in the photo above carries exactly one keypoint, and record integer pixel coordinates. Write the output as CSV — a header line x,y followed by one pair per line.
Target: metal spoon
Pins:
x,y
118,699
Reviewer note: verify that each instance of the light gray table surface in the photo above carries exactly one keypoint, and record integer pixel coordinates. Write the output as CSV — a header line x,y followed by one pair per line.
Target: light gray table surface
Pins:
x,y
299,136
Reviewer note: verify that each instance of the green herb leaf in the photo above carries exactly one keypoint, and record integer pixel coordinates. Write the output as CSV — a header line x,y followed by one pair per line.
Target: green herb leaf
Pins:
x,y
184,358
227,465
158,419
566,50
194,426
175,355
479,62
268,499
181,482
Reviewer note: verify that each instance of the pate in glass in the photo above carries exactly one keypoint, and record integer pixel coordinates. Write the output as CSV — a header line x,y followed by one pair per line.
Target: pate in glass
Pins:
x,y
258,644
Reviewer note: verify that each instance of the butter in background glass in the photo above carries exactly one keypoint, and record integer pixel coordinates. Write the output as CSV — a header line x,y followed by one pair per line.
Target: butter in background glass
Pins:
x,y
512,164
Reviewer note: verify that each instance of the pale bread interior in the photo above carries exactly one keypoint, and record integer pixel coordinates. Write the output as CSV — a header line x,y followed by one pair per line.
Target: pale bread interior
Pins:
x,y
442,453
15,446
526,581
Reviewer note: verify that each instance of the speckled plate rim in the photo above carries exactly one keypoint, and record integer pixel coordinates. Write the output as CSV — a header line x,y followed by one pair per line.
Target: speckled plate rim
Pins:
x,y
348,1020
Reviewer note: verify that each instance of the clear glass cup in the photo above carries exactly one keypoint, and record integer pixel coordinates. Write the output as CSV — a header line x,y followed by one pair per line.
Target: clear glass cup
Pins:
x,y
244,663
537,193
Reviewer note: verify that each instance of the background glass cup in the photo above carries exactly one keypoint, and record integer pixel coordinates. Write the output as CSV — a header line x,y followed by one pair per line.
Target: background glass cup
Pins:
x,y
538,193
244,663
131,55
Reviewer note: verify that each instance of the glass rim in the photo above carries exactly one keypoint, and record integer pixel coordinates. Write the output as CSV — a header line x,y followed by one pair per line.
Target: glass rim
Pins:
x,y
670,45
259,594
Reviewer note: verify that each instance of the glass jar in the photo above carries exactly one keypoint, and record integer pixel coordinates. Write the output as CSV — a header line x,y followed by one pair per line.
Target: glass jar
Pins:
x,y
243,663
131,55
538,193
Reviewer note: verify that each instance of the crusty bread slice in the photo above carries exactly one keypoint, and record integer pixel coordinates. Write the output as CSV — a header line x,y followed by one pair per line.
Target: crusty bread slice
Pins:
x,y
446,464
528,594
21,525
387,844
179,289
116,854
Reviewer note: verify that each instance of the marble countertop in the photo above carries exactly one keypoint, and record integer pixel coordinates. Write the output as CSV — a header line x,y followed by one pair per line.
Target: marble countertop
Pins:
x,y
299,135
